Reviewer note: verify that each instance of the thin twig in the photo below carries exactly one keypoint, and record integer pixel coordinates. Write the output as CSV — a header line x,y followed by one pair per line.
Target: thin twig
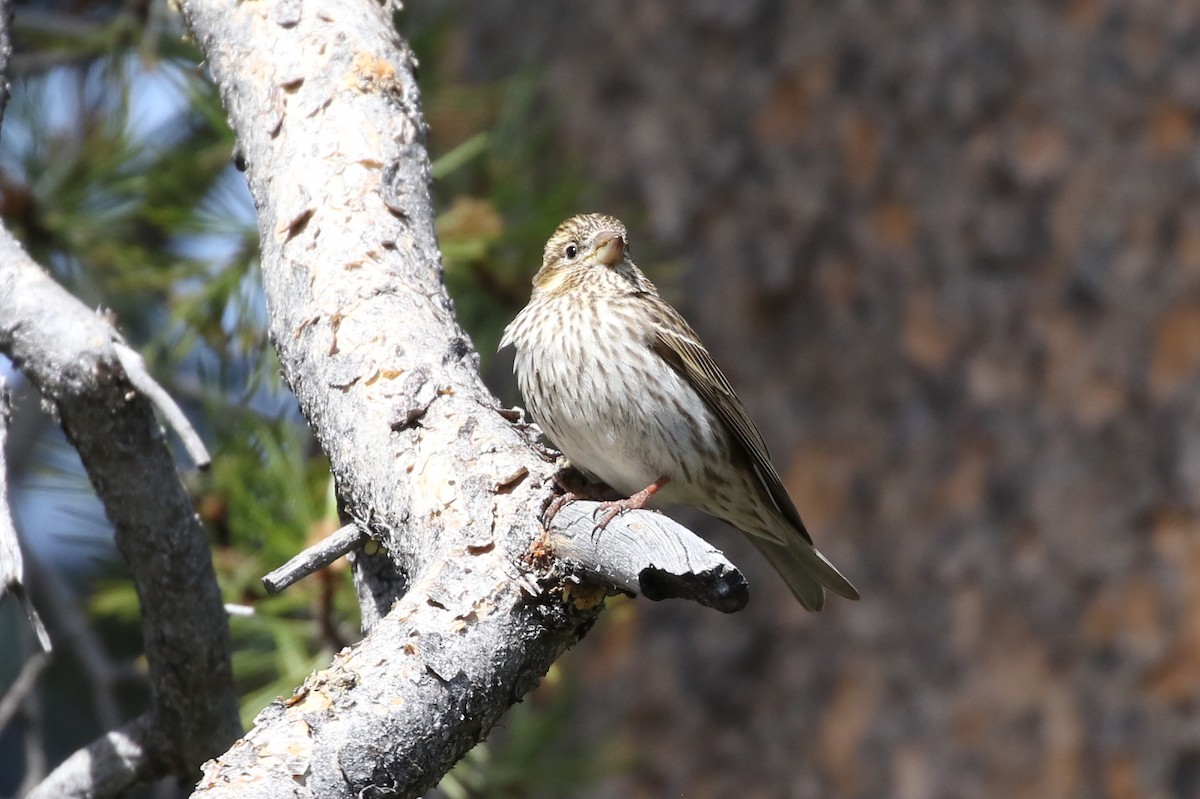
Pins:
x,y
33,718
12,568
77,637
21,686
135,370
318,556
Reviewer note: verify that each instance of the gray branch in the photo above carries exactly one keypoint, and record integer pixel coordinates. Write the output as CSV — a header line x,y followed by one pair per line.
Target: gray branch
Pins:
x,y
646,553
21,686
323,102
109,765
136,372
69,352
338,543
12,566
6,12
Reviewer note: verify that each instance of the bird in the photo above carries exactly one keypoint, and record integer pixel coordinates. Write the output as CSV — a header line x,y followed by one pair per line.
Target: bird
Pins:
x,y
623,387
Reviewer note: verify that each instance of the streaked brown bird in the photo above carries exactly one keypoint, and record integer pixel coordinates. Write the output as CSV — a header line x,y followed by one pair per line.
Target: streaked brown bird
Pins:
x,y
621,384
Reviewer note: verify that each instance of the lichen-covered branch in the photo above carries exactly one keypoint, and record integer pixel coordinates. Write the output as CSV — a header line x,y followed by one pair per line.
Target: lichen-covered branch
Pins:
x,y
67,350
324,104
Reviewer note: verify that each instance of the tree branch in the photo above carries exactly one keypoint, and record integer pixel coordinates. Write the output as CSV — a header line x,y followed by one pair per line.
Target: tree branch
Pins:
x,y
338,543
136,372
110,764
69,353
326,112
646,553
12,567
21,686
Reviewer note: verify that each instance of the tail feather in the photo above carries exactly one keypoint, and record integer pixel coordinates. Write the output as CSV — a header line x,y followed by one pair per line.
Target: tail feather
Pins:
x,y
805,570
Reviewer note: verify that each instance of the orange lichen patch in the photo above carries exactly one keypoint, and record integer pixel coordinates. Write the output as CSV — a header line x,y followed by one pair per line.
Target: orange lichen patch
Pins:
x,y
310,702
480,609
855,701
382,373
927,339
372,73
583,596
1176,357
541,553
505,485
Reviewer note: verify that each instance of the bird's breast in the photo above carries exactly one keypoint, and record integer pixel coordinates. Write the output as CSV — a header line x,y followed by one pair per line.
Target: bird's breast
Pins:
x,y
612,405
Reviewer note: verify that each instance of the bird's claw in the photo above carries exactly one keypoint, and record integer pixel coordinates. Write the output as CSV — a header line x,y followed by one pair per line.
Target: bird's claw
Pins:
x,y
556,505
609,511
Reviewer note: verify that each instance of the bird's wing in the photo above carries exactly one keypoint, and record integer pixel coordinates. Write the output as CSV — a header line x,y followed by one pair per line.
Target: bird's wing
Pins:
x,y
675,341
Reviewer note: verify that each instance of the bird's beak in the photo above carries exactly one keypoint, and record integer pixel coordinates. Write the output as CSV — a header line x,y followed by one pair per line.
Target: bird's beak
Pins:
x,y
610,248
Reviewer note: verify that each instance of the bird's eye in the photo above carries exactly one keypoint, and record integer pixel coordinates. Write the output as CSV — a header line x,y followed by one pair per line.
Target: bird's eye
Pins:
x,y
571,251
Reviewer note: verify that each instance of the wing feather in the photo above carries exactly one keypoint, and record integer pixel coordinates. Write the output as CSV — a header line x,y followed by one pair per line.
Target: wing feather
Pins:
x,y
676,342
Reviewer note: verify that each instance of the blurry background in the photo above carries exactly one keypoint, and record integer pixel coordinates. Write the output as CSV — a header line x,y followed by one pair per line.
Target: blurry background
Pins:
x,y
949,253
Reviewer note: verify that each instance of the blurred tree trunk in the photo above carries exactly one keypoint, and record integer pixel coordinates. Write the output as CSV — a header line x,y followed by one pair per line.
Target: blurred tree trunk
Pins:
x,y
950,255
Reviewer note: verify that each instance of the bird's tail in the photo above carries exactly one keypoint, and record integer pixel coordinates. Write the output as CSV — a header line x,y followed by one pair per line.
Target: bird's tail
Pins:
x,y
805,570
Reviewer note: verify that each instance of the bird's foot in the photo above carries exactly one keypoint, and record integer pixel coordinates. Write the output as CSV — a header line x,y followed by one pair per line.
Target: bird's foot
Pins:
x,y
613,509
574,486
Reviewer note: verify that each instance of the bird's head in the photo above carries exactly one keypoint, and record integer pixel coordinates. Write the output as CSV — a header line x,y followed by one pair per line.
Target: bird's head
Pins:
x,y
588,249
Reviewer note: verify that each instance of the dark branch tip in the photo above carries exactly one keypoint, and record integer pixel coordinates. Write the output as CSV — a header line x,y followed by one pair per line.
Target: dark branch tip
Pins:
x,y
718,588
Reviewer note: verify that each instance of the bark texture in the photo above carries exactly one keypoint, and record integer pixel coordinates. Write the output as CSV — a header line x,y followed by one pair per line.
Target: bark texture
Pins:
x,y
70,354
324,104
949,253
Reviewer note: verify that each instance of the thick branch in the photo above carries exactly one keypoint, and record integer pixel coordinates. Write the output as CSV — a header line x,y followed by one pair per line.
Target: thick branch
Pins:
x,y
68,352
325,108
